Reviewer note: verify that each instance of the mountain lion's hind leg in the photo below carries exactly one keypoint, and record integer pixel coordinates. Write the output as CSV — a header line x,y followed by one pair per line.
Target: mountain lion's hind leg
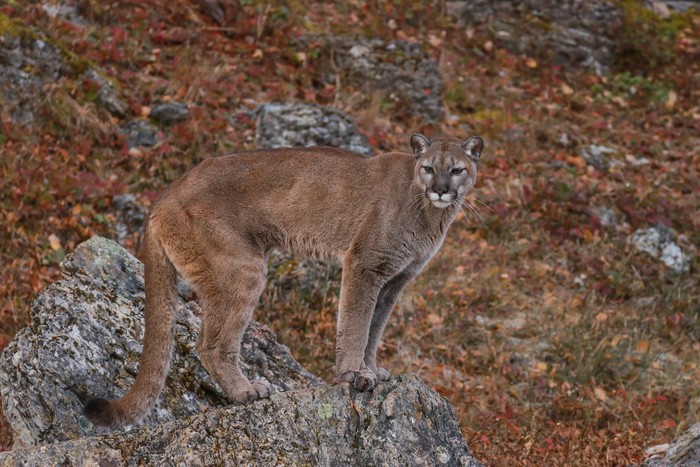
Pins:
x,y
229,296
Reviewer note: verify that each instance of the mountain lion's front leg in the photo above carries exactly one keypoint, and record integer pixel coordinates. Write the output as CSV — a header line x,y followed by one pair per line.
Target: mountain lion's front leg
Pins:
x,y
388,296
358,297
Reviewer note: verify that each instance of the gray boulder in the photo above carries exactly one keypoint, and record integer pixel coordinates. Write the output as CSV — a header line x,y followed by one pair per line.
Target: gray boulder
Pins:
x,y
398,71
281,125
401,423
570,33
29,61
683,452
85,341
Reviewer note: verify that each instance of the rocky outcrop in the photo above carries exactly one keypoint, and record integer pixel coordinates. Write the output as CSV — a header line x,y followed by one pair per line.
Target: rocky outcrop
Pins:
x,y
398,71
571,33
683,452
401,423
281,125
30,61
85,341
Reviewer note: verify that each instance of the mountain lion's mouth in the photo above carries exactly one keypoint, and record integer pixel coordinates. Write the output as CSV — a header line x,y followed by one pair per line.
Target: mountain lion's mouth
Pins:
x,y
440,201
442,204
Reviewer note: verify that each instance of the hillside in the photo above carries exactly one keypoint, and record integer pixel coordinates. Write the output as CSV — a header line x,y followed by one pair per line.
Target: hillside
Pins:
x,y
561,316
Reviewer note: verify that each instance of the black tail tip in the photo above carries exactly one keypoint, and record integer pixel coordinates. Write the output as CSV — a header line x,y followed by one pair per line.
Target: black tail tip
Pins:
x,y
99,412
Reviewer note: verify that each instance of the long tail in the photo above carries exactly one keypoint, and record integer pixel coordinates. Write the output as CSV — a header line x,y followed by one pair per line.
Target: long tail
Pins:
x,y
160,277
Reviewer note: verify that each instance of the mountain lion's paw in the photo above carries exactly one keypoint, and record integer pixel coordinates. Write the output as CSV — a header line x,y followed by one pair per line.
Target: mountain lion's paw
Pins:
x,y
363,380
258,389
382,374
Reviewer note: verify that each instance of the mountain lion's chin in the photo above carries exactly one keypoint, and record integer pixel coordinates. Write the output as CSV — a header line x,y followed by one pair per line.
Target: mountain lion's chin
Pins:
x,y
441,204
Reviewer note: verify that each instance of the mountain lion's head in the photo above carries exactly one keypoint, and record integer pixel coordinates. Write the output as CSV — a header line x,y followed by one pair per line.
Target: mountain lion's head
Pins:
x,y
446,167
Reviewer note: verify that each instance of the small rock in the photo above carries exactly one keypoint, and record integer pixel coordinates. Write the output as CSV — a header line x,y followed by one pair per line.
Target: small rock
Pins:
x,y
106,94
169,113
131,217
658,242
606,216
683,6
661,9
141,133
65,11
636,162
597,156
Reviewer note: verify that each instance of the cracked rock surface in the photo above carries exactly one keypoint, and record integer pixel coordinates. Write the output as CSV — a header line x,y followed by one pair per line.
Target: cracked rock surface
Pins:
x,y
401,423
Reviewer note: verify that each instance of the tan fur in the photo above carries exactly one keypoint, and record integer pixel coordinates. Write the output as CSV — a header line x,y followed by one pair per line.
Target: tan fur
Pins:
x,y
383,217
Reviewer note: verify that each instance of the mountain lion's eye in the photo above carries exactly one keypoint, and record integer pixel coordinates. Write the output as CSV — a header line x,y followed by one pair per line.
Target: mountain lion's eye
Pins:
x,y
428,169
457,170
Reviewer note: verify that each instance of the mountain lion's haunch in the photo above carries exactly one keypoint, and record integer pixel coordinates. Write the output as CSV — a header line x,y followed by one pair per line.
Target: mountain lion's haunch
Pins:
x,y
384,217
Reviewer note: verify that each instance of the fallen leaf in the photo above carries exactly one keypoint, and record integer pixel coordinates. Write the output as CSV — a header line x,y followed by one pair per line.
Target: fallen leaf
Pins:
x,y
600,394
671,101
54,242
134,152
642,346
531,63
435,319
434,40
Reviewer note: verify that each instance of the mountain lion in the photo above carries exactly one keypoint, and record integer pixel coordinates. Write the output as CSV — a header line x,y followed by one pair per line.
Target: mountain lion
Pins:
x,y
384,217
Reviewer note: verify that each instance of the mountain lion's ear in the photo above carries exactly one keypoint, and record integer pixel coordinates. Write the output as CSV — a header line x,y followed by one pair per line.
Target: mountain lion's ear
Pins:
x,y
419,143
473,147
